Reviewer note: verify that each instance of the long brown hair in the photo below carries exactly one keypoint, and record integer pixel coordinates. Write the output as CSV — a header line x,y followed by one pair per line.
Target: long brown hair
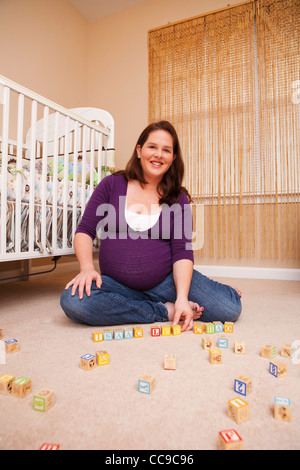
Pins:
x,y
170,186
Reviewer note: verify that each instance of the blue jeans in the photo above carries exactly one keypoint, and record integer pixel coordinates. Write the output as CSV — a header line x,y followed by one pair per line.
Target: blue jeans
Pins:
x,y
116,304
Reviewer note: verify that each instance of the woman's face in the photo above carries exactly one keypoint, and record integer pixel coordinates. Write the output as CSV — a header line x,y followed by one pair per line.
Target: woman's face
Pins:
x,y
156,155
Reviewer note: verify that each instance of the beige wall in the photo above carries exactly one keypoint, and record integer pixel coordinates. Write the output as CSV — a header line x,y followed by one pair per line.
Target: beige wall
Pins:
x,y
118,63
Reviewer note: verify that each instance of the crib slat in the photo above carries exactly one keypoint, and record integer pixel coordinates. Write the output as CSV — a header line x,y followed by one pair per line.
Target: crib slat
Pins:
x,y
44,177
99,164
75,177
55,183
32,176
19,175
83,174
66,183
5,128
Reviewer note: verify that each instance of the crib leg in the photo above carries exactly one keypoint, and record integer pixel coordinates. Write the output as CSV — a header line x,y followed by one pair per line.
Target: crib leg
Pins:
x,y
26,269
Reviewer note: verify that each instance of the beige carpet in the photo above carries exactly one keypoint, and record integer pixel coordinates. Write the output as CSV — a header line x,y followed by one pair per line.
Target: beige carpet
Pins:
x,y
102,408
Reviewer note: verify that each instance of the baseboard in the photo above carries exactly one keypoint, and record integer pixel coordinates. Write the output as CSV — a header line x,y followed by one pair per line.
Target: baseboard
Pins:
x,y
249,272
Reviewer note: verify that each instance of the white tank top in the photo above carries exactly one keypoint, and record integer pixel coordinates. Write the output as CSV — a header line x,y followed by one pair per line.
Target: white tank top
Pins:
x,y
140,222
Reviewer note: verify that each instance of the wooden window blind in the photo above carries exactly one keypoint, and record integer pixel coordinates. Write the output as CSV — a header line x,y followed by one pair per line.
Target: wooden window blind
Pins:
x,y
229,82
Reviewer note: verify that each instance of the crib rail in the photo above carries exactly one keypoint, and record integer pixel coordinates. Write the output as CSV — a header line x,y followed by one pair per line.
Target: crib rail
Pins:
x,y
39,133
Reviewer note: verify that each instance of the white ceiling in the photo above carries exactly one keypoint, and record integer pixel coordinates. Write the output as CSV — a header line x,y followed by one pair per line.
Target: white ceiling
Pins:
x,y
94,9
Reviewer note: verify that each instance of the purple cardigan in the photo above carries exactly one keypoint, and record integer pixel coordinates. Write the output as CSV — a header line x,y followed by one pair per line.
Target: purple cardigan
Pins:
x,y
139,260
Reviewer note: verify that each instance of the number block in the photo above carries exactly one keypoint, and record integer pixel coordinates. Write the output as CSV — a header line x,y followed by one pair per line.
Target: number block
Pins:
x,y
87,362
215,356
239,347
155,331
102,358
108,335
209,328
238,409
6,381
166,331
286,350
268,351
219,327
170,362
282,409
128,333
222,342
228,327
229,440
278,369
176,330
97,336
198,329
11,346
43,400
146,384
207,343
21,387
118,334
138,332
243,385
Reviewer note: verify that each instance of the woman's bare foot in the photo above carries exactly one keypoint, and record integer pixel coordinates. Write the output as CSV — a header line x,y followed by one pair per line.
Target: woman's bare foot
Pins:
x,y
238,291
197,310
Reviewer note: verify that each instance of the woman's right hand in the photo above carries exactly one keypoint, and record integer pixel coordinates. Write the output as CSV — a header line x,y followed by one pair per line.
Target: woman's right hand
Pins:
x,y
84,280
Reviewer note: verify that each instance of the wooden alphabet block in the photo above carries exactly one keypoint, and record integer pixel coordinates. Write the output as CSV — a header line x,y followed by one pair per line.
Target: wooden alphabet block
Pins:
x,y
87,362
238,409
222,342
21,387
176,330
102,358
49,446
215,356
118,334
128,332
239,347
228,327
243,385
155,331
6,381
97,336
268,351
230,440
1,333
209,328
146,384
11,346
108,334
43,400
170,362
278,369
207,343
198,329
138,332
286,350
282,409
165,330
219,327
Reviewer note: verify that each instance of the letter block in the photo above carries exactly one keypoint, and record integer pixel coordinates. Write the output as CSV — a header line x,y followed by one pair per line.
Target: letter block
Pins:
x,y
11,346
108,335
268,351
155,331
239,347
176,330
207,343
48,446
209,328
6,381
43,400
165,330
219,327
215,356
137,332
230,440
282,409
198,329
21,387
128,333
238,409
1,333
170,362
146,384
278,369
118,334
286,350
228,327
87,362
102,358
97,336
222,342
243,385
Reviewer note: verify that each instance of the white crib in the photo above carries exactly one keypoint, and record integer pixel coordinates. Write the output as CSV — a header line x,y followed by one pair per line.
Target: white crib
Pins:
x,y
51,159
